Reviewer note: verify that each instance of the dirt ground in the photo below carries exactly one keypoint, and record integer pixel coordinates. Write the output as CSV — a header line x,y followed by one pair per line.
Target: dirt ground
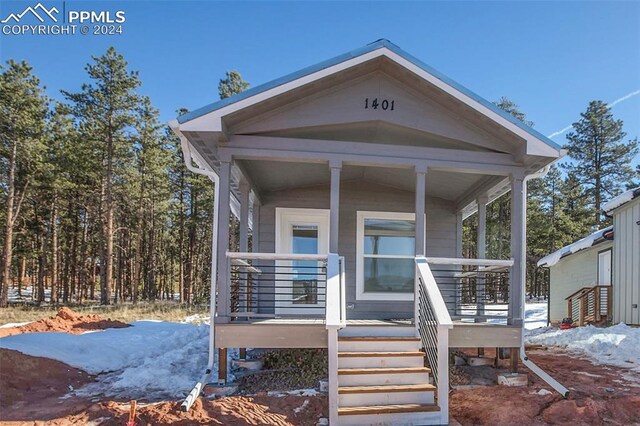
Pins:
x,y
34,391
66,321
598,395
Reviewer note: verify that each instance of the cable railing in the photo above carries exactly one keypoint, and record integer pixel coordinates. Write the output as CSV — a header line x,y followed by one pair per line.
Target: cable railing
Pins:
x,y
270,285
432,322
474,289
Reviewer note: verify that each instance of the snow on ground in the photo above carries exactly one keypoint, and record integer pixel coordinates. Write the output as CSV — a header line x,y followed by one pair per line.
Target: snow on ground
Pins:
x,y
14,324
27,294
150,360
197,319
618,345
535,314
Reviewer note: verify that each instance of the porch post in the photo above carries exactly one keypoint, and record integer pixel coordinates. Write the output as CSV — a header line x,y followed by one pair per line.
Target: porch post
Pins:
x,y
459,237
334,216
518,249
223,242
255,231
244,293
244,216
481,253
459,231
421,181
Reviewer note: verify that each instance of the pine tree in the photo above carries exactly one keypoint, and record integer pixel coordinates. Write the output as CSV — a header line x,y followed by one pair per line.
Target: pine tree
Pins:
x,y
513,109
151,196
231,85
106,111
23,109
602,161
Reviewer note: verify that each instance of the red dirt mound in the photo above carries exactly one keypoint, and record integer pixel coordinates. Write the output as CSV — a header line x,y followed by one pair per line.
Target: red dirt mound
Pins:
x,y
66,321
31,387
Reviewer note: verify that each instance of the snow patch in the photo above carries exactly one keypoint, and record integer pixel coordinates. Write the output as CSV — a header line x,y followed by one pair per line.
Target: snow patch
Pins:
x,y
150,360
621,199
618,345
535,314
14,324
297,392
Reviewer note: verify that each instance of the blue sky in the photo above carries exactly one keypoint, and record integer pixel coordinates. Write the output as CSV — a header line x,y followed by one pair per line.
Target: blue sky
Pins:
x,y
551,58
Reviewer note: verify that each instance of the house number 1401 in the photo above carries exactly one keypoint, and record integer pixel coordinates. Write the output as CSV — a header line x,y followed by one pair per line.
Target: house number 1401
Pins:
x,y
375,104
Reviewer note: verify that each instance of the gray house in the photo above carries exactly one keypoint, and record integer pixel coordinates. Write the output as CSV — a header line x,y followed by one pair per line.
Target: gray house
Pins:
x,y
351,179
597,278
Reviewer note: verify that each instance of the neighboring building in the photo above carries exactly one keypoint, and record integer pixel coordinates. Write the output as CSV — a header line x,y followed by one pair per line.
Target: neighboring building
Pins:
x,y
600,274
581,265
625,210
352,178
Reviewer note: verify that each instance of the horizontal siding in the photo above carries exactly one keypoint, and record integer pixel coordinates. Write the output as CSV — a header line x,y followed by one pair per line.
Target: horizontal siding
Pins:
x,y
363,196
626,263
570,275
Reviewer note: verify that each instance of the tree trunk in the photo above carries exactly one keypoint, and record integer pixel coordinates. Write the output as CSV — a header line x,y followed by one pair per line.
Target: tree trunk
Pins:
x,y
22,274
54,250
8,235
108,229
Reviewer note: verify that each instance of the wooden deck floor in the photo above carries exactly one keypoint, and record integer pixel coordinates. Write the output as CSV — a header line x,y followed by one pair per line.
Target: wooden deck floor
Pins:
x,y
311,333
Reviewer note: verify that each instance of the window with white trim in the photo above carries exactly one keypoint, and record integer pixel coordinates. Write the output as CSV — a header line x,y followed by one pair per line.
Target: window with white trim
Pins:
x,y
385,267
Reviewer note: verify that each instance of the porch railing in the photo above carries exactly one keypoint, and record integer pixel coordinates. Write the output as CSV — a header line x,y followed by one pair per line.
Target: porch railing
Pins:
x,y
474,289
590,305
432,322
270,285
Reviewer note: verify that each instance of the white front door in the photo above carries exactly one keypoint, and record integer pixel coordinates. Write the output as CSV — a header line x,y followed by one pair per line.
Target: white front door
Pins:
x,y
604,268
300,284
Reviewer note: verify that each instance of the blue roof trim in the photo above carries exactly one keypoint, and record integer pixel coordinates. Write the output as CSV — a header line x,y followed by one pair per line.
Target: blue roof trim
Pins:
x,y
378,44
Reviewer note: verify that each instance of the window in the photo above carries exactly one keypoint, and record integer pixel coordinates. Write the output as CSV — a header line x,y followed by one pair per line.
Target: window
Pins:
x,y
385,267
305,279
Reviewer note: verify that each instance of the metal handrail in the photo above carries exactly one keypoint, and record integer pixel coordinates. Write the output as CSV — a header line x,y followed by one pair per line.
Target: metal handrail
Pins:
x,y
475,289
432,322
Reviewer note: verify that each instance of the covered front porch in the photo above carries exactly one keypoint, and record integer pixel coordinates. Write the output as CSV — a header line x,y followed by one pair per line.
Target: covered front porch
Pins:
x,y
365,215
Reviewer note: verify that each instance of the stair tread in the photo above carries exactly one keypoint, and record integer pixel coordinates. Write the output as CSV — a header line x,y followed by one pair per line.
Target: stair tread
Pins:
x,y
378,339
423,387
380,354
386,370
388,409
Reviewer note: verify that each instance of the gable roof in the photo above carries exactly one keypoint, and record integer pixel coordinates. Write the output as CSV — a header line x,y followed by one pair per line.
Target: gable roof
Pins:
x,y
597,237
621,199
379,44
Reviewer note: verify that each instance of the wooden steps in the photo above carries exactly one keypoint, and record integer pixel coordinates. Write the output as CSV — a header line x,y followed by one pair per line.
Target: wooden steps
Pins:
x,y
386,388
388,409
382,379
408,370
378,354
378,339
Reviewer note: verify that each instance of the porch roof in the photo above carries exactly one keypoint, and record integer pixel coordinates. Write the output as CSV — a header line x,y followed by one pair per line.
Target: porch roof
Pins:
x,y
378,44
